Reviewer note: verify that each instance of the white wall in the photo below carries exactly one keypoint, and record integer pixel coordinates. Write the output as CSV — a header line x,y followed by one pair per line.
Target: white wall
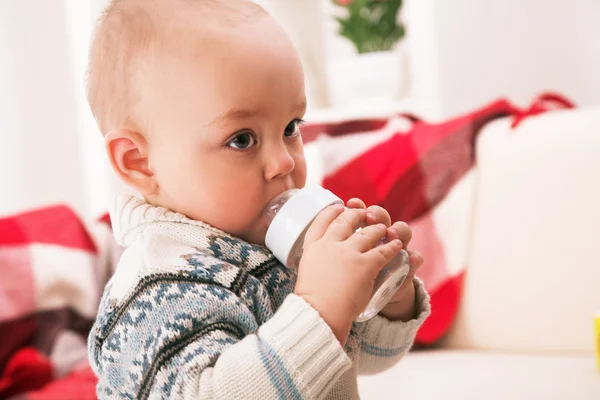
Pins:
x,y
516,48
464,53
50,148
312,27
40,157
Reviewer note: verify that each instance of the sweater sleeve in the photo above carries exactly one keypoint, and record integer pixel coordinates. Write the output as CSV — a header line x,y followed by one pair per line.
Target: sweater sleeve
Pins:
x,y
293,355
220,352
383,342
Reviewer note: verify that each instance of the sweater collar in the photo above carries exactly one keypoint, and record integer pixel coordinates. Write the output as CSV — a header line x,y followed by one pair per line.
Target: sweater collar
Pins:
x,y
131,216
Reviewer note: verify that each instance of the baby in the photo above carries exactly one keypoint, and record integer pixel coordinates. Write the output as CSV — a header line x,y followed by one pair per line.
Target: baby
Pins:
x,y
200,103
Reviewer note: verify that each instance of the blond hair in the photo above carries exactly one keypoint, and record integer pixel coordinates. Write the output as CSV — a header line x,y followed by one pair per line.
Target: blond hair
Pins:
x,y
128,34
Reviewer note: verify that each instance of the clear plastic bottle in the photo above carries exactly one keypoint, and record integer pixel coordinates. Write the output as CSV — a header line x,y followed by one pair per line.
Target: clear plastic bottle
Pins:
x,y
289,216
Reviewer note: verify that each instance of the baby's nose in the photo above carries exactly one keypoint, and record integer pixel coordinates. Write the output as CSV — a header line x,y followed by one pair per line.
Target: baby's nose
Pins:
x,y
279,164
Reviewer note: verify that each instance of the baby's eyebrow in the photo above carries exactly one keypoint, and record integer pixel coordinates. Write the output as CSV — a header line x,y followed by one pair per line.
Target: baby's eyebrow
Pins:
x,y
236,114
245,113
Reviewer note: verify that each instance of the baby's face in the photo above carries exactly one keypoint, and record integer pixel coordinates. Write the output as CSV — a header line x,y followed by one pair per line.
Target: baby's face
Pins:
x,y
225,137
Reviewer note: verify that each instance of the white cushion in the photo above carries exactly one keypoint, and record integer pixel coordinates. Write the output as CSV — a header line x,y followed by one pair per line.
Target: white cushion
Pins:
x,y
466,375
533,279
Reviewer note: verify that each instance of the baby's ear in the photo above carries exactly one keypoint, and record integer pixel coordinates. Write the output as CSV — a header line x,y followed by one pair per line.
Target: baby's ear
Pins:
x,y
128,154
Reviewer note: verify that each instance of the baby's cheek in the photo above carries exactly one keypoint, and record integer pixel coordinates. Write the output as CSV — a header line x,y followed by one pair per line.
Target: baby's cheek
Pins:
x,y
239,212
299,173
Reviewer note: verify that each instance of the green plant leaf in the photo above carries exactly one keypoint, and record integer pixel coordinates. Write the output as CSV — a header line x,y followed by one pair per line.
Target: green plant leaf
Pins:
x,y
372,25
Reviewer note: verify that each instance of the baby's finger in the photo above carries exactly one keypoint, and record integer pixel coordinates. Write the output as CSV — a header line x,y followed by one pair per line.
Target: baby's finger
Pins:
x,y
378,215
321,223
416,261
381,255
345,224
403,232
367,238
356,203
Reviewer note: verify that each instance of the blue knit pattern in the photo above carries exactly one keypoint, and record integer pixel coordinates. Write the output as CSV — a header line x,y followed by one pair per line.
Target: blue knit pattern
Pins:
x,y
141,346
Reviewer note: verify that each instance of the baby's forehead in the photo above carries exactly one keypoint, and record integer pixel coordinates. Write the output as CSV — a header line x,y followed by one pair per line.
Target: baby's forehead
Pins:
x,y
131,33
190,31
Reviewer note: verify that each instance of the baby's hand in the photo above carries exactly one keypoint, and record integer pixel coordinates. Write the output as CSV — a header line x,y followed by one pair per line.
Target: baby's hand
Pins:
x,y
338,267
402,305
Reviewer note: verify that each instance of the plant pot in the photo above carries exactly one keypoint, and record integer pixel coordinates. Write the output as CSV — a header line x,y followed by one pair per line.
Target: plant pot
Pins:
x,y
369,77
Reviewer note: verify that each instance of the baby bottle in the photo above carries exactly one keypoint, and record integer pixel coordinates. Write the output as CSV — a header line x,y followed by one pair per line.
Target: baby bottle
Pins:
x,y
289,216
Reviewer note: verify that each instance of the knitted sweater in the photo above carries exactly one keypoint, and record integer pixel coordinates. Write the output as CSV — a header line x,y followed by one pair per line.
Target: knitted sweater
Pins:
x,y
194,313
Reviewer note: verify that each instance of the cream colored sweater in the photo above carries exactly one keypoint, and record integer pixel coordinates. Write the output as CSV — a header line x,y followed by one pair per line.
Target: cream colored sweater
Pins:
x,y
194,313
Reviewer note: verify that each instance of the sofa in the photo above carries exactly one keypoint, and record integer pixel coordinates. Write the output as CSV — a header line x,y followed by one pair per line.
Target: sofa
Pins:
x,y
525,325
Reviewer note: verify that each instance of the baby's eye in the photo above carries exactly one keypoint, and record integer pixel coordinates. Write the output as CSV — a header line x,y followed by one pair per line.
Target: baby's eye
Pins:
x,y
293,128
242,141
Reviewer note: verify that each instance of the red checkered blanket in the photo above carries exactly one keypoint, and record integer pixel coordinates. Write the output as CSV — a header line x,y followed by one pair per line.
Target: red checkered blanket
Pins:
x,y
53,266
53,269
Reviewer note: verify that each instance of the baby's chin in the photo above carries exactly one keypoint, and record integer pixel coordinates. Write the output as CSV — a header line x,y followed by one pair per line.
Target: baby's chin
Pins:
x,y
257,238
255,234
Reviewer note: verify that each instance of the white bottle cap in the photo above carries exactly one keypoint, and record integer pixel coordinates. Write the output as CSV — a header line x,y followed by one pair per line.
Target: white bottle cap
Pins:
x,y
294,217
